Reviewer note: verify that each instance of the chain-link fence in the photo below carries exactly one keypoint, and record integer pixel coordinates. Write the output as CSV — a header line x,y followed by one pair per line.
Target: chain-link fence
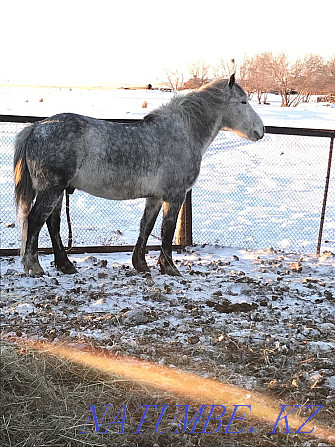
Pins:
x,y
250,195
269,193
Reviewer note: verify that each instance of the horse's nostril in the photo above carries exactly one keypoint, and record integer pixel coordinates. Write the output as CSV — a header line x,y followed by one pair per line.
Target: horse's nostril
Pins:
x,y
259,135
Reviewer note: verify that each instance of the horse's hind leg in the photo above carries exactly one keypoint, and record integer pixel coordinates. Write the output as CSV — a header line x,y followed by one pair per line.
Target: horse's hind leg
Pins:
x,y
171,211
152,208
44,204
62,262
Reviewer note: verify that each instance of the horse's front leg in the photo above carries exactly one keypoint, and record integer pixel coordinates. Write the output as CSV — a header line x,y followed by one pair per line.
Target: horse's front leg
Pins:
x,y
152,208
171,211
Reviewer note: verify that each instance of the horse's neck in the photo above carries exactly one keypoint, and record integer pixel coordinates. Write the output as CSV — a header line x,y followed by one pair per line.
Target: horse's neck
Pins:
x,y
204,121
211,125
216,127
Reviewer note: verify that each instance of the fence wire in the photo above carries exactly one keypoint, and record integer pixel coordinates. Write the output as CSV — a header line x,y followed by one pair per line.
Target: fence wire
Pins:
x,y
249,195
265,194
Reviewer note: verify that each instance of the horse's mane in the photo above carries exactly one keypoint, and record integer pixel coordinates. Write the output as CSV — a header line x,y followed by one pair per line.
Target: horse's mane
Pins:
x,y
198,109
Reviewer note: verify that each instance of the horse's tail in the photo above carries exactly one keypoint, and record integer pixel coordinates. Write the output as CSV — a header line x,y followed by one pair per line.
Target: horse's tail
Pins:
x,y
24,191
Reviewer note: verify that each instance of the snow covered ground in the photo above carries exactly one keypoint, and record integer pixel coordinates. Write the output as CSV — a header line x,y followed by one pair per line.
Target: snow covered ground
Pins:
x,y
229,307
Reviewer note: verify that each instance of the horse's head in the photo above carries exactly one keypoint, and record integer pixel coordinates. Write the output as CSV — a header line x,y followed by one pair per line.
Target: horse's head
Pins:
x,y
239,116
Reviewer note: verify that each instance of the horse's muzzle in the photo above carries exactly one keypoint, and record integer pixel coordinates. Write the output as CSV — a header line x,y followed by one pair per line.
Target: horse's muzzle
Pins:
x,y
259,134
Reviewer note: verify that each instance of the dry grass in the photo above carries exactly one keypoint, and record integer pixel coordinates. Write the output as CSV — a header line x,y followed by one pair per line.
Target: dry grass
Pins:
x,y
46,402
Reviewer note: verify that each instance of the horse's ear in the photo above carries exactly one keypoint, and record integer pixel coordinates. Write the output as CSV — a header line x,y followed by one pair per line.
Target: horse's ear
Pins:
x,y
231,80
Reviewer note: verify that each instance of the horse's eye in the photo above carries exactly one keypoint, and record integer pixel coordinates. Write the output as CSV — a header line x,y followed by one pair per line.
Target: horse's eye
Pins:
x,y
243,102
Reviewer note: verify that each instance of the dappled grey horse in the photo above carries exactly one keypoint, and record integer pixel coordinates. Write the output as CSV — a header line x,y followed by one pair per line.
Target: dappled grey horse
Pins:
x,y
158,158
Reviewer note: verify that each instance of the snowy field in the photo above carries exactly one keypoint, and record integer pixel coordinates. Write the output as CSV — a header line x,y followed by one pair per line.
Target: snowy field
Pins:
x,y
258,318
119,103
250,195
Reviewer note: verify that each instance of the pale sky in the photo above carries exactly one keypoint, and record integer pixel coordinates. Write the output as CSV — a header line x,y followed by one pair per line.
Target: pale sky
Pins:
x,y
105,41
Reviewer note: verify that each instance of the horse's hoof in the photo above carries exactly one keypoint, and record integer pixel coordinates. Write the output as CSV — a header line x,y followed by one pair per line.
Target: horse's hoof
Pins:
x,y
68,269
170,270
144,269
141,267
34,271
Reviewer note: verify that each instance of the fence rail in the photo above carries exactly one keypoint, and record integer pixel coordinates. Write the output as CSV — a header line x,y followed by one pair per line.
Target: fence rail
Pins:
x,y
277,192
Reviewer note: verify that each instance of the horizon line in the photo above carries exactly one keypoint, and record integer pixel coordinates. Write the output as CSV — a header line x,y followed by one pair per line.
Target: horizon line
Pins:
x,y
89,85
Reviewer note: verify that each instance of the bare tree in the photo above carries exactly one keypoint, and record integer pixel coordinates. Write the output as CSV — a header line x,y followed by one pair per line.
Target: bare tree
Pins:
x,y
330,76
199,72
224,69
285,78
309,77
296,80
245,76
174,79
256,75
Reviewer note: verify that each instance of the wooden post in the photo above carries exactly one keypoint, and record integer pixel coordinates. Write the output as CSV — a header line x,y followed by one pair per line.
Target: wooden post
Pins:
x,y
324,204
184,224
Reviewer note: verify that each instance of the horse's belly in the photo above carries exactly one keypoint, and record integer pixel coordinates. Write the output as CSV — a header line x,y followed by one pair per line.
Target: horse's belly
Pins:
x,y
116,190
109,194
105,192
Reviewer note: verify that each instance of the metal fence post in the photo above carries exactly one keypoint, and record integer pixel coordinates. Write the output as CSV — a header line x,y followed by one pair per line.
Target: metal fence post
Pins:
x,y
324,204
184,225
